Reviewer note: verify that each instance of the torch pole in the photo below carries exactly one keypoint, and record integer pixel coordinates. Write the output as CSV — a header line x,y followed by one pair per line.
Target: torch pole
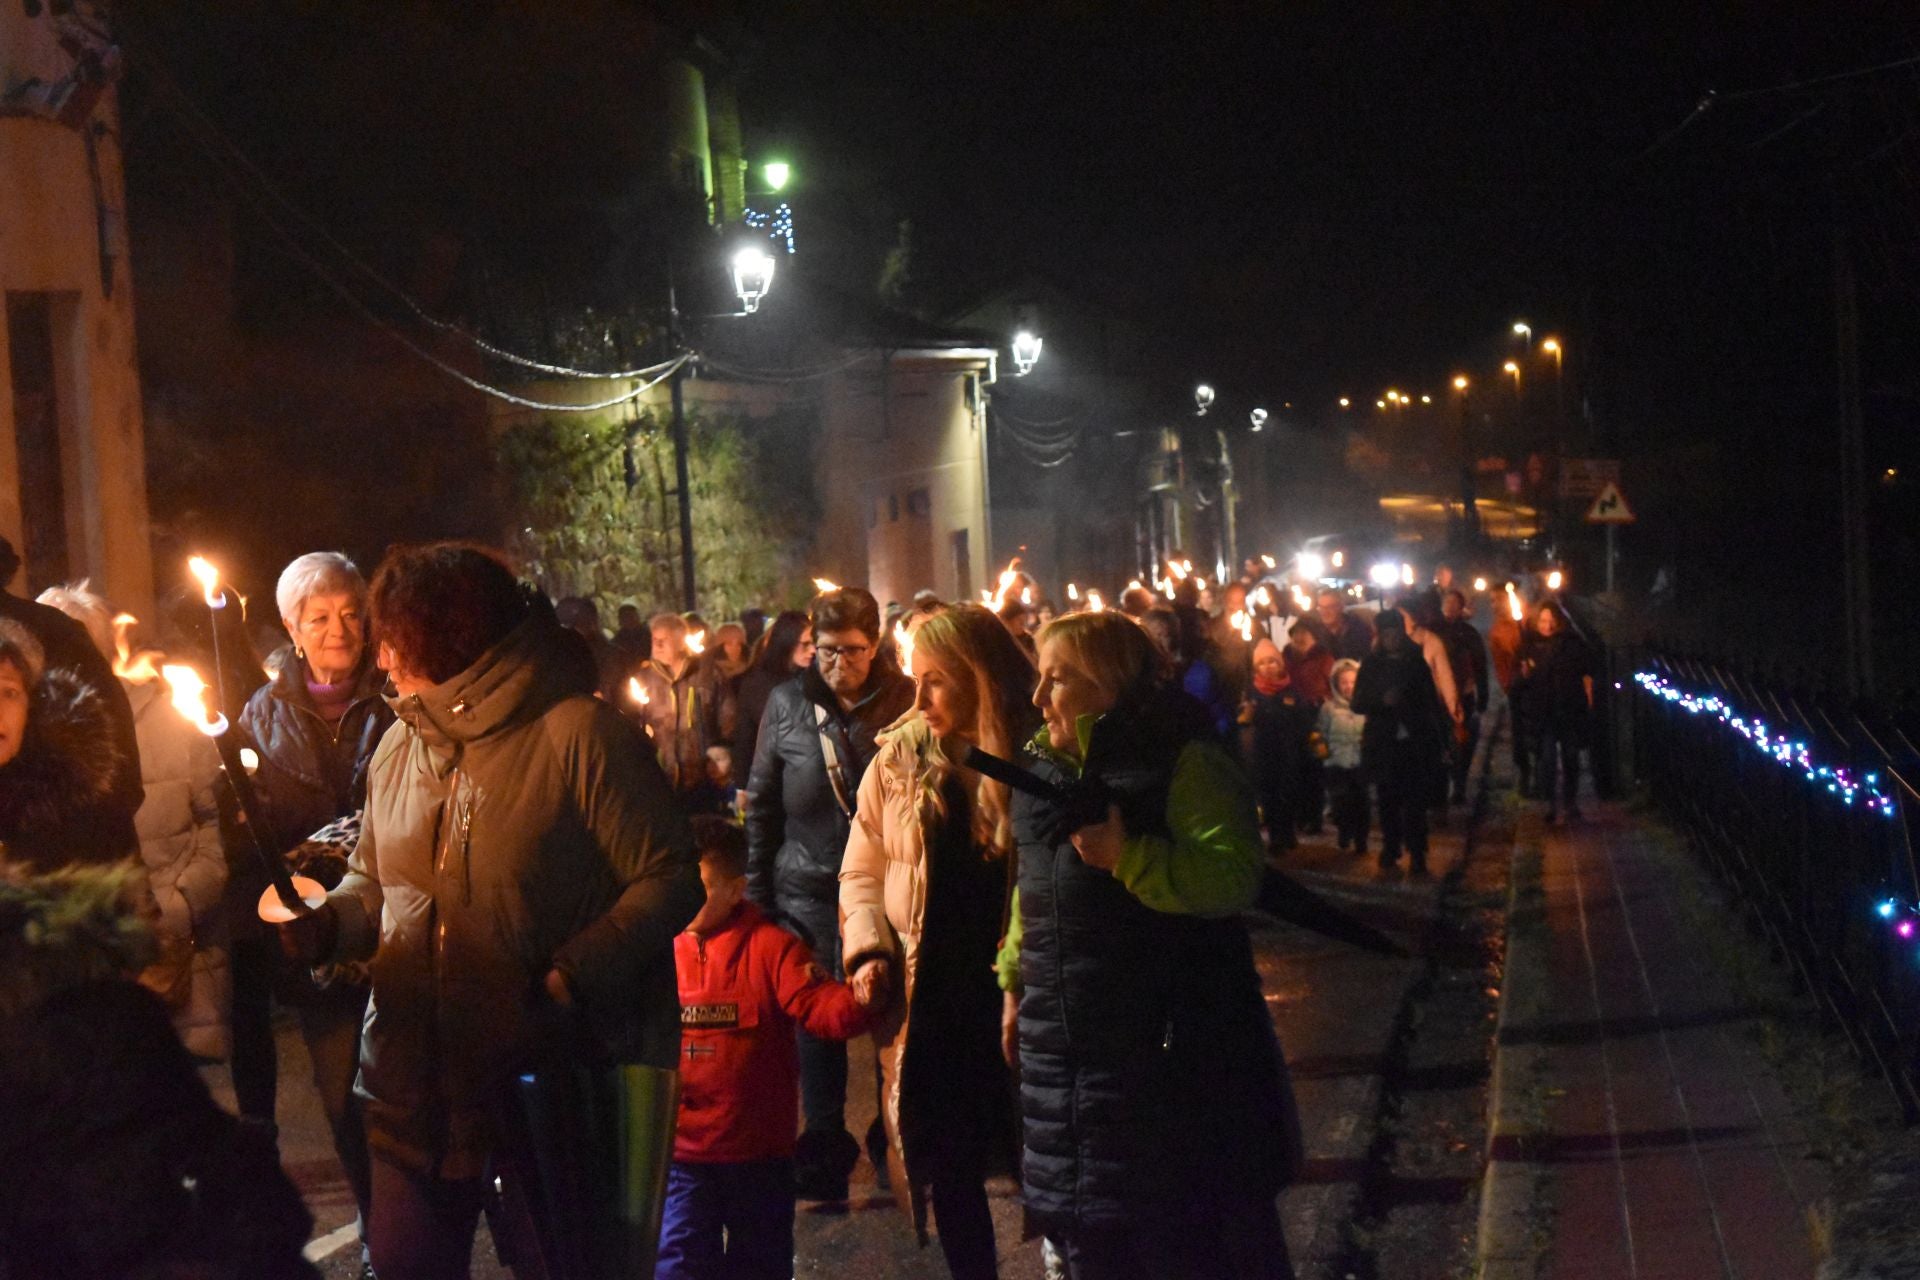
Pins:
x,y
227,742
214,605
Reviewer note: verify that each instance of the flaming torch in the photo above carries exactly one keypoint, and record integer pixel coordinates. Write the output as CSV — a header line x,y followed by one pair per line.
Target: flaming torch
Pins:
x,y
1515,609
1094,603
296,895
903,641
202,568
696,642
824,585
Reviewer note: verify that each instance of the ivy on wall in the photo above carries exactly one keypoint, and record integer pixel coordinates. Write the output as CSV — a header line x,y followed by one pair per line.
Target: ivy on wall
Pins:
x,y
594,512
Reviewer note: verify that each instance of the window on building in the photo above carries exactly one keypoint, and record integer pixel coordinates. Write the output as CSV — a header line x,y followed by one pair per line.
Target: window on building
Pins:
x,y
962,566
920,503
36,425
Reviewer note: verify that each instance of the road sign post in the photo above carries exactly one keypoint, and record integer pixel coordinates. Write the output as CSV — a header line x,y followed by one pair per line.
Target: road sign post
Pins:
x,y
1610,509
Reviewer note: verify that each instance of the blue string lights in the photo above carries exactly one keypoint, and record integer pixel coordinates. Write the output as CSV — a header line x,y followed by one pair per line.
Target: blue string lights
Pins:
x,y
1839,780
778,225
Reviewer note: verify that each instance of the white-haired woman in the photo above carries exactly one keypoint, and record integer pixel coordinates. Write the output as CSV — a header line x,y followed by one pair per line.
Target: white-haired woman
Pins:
x,y
315,727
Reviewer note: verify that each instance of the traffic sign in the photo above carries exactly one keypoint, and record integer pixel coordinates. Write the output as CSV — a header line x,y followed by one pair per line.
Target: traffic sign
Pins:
x,y
1610,507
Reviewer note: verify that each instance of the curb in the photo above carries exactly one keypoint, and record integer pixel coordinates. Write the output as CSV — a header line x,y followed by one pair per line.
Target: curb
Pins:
x,y
1509,1246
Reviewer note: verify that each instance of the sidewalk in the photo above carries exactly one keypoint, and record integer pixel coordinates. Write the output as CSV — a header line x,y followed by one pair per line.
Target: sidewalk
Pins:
x,y
1636,1130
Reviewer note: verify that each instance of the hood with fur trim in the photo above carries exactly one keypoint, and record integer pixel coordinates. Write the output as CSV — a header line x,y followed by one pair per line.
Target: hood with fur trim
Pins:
x,y
57,801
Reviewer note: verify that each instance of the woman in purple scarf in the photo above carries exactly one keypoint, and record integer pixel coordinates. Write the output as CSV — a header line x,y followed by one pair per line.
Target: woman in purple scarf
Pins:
x,y
315,727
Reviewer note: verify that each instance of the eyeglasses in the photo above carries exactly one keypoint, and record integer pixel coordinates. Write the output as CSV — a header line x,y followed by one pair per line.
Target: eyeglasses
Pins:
x,y
835,652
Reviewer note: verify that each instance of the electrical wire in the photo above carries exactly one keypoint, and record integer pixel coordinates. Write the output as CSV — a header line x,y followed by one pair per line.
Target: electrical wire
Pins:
x,y
653,375
184,101
811,373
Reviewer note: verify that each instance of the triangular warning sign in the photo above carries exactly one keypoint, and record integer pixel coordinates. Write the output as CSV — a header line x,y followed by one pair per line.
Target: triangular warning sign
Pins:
x,y
1610,507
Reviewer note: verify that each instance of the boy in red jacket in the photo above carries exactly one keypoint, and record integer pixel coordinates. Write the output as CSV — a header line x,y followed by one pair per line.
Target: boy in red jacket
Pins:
x,y
745,983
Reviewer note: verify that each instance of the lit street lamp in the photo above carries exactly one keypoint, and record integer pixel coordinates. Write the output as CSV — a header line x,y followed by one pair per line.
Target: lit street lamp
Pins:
x,y
752,276
1202,399
1258,418
1026,352
1521,329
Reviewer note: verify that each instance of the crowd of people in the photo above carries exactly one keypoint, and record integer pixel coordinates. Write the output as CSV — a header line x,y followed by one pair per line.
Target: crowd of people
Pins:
x,y
1010,848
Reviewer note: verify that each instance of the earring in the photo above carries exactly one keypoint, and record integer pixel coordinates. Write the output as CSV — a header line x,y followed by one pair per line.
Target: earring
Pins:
x,y
299,653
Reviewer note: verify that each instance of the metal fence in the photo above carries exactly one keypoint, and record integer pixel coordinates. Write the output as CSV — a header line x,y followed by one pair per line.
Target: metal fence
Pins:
x,y
1804,810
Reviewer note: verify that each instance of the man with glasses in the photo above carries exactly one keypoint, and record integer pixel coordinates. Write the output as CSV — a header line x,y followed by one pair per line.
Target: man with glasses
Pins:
x,y
816,740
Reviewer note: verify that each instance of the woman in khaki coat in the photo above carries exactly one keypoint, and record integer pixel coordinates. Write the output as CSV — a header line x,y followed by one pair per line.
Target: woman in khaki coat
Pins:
x,y
923,889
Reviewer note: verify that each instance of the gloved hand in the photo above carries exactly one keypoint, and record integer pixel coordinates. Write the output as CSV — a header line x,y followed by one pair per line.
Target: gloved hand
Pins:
x,y
1083,803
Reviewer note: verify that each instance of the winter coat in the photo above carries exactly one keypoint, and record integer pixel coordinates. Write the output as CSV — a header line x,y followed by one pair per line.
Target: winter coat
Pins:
x,y
1354,639
311,772
179,828
751,693
1552,685
1440,667
1309,672
120,1165
514,824
885,889
1151,1084
1405,735
61,795
743,990
1341,726
1467,655
796,832
683,714
68,647
1281,723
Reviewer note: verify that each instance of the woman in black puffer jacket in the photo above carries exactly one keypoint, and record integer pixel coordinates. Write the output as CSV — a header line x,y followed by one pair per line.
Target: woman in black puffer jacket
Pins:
x,y
1159,1121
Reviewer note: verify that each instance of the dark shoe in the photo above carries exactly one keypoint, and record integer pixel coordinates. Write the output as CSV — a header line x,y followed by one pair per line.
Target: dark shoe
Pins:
x,y
822,1161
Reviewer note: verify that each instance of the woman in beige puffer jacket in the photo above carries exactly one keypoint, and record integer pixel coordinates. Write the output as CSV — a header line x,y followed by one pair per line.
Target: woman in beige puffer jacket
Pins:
x,y
179,829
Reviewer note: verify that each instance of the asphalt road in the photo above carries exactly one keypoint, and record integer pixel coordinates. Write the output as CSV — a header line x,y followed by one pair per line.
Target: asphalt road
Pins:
x,y
1344,1019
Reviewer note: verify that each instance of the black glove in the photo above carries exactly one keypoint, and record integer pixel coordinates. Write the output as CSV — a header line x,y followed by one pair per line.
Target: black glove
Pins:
x,y
1082,803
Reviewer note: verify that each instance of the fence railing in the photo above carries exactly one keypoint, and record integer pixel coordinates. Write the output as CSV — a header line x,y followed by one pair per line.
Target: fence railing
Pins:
x,y
1805,811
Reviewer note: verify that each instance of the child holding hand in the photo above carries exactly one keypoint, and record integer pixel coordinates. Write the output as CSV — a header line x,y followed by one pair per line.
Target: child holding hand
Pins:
x,y
745,984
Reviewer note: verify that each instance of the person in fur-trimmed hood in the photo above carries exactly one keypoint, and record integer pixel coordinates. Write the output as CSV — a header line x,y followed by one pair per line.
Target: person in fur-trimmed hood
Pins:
x,y
120,1164
60,762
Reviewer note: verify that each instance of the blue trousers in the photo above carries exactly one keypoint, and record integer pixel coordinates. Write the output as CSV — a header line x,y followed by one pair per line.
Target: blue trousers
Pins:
x,y
728,1220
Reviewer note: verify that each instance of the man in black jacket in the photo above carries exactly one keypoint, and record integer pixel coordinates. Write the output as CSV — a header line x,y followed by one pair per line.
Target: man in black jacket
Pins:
x,y
816,740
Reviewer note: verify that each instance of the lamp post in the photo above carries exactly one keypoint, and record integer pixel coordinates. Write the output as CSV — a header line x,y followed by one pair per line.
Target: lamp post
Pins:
x,y
1552,347
1469,503
752,271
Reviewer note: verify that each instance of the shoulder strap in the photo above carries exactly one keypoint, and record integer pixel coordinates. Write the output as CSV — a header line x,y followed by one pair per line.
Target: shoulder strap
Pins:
x,y
836,772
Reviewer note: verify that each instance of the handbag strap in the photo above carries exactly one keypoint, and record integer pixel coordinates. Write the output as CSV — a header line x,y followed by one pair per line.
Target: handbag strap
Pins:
x,y
836,772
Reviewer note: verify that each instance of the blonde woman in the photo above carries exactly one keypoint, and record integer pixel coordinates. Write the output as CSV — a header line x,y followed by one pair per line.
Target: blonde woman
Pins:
x,y
922,892
1159,1122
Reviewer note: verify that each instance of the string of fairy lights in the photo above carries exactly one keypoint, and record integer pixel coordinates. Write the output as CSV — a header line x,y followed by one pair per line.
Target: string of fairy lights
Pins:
x,y
1849,786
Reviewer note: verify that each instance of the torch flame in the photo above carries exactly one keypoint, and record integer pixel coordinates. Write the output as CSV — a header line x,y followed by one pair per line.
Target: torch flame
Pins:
x,y
1073,591
134,670
190,699
1556,580
1268,561
1302,601
824,585
637,691
903,641
1094,603
696,642
995,599
202,568
1134,585
1243,623
1262,597
1514,607
1026,595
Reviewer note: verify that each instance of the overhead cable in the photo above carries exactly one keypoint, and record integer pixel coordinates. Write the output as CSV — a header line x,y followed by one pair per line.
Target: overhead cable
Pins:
x,y
184,101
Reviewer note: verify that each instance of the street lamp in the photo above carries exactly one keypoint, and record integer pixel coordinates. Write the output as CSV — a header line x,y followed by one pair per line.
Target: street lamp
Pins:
x,y
1459,382
1258,418
1521,329
1202,400
776,173
1346,402
752,276
1026,352
1513,368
